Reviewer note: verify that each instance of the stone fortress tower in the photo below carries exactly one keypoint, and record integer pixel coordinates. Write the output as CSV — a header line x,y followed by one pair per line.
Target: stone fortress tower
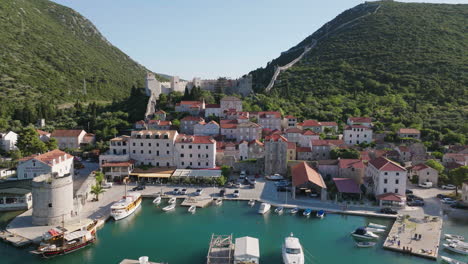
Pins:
x,y
52,199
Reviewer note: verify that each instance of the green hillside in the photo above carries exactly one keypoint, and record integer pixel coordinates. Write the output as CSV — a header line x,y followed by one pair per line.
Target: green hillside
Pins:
x,y
51,54
402,63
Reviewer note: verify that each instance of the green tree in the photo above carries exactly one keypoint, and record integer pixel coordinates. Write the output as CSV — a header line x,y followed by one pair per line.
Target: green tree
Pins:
x,y
225,171
97,190
51,144
29,143
99,177
458,176
435,165
344,154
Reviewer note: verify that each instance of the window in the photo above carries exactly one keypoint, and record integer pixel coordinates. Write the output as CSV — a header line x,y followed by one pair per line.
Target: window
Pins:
x,y
157,144
167,164
134,152
182,146
182,163
385,173
141,151
385,181
134,144
190,146
25,175
181,155
427,173
157,164
207,164
50,204
149,151
190,163
397,181
166,136
396,190
141,144
199,155
167,145
149,144
167,152
199,146
148,136
190,155
198,163
397,173
385,190
206,147
157,153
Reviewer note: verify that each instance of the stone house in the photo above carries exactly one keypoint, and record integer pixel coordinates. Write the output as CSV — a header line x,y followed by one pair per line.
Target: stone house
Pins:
x,y
248,131
206,129
425,174
69,138
312,125
188,123
404,154
321,148
351,168
192,107
328,168
289,121
230,102
306,137
293,134
271,120
276,149
333,126
195,152
356,134
304,153
44,136
212,110
365,121
159,125
409,133
160,115
229,129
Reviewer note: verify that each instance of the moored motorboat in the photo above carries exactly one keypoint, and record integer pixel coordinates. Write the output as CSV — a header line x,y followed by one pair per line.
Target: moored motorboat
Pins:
x,y
452,236
457,248
376,226
170,207
173,200
157,200
375,230
279,210
451,260
320,213
264,207
126,206
365,244
292,251
252,203
58,243
192,209
307,212
457,242
362,233
218,201
294,210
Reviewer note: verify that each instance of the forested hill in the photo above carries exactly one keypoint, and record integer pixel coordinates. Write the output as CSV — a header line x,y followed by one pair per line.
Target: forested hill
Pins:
x,y
51,54
403,63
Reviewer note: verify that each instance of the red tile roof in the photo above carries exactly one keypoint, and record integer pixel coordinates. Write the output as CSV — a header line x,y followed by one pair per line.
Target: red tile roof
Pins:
x,y
291,145
228,124
403,148
293,130
160,112
389,197
275,137
310,133
346,185
419,167
48,157
212,106
141,122
302,173
256,142
360,119
310,123
264,114
42,133
327,142
189,103
290,116
66,133
160,122
408,131
189,139
350,163
384,164
303,149
356,126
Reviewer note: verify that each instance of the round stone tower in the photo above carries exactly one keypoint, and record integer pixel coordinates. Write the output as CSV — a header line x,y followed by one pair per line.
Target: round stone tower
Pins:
x,y
52,199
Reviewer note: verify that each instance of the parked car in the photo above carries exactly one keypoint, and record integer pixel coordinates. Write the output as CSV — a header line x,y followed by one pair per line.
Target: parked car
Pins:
x,y
441,196
408,191
230,184
252,180
411,197
415,203
198,192
139,188
176,191
282,183
183,191
242,175
236,193
459,205
449,187
106,185
388,211
448,200
222,192
425,185
238,185
274,177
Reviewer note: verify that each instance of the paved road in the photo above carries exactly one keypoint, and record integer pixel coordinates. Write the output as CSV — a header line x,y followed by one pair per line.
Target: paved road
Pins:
x,y
432,206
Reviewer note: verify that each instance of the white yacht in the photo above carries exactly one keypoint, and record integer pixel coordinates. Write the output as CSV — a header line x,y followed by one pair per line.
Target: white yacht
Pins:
x,y
170,207
126,206
292,251
264,207
451,260
362,233
192,209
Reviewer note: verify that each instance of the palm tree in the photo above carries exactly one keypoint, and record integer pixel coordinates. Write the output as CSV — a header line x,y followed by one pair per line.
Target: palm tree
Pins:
x,y
99,177
97,190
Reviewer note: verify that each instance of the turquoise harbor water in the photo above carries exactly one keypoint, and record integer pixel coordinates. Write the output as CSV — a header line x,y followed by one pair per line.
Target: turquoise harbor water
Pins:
x,y
178,237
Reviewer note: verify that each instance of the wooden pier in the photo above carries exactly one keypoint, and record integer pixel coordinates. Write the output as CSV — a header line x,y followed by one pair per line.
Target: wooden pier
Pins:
x,y
221,250
415,236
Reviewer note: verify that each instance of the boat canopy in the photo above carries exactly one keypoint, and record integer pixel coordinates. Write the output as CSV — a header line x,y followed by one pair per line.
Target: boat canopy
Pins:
x,y
292,242
246,247
75,235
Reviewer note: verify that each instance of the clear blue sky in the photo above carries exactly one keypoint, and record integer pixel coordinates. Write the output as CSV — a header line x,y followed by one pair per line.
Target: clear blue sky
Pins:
x,y
209,38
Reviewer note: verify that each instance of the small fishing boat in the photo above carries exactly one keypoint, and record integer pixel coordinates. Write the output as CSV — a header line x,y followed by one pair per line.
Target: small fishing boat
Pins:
x,y
192,209
365,244
294,210
457,248
362,233
279,210
452,236
292,251
376,226
454,241
307,212
320,213
173,200
264,207
157,200
218,201
451,260
375,230
252,203
170,207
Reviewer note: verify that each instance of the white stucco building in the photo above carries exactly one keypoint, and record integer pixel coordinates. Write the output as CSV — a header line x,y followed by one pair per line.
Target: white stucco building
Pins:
x,y
357,134
8,141
55,161
248,131
270,120
195,152
385,177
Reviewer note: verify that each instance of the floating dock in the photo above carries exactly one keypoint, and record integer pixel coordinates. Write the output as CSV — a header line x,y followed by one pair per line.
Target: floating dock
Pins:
x,y
131,261
221,250
415,236
198,202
